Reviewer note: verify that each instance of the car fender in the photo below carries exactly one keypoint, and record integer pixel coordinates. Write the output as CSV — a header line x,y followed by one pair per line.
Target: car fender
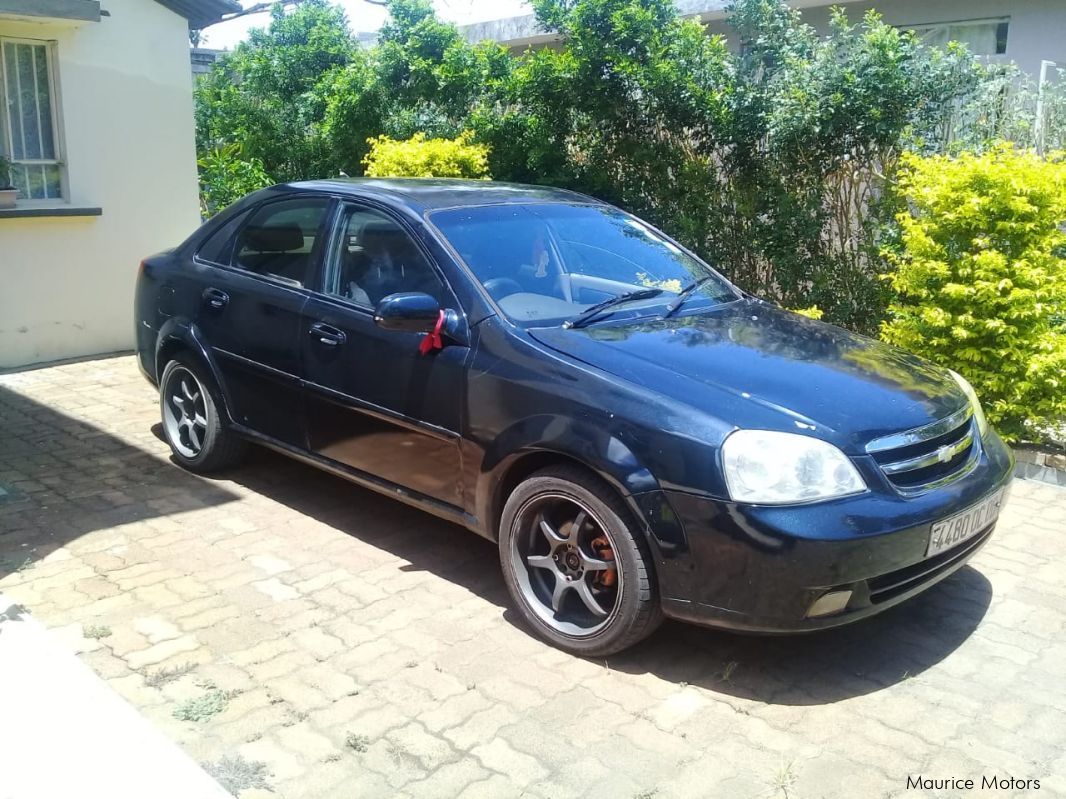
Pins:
x,y
589,445
182,331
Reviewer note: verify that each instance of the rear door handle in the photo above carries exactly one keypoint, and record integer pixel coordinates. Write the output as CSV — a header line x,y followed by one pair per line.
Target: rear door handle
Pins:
x,y
328,334
214,298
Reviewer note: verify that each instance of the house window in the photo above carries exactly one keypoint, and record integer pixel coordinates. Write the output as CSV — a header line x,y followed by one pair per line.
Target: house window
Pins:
x,y
982,36
30,137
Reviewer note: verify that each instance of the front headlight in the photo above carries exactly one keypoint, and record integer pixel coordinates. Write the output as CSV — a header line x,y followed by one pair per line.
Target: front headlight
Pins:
x,y
770,468
978,411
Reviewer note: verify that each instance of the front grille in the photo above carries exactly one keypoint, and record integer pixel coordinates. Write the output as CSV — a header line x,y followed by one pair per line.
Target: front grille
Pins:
x,y
891,585
920,459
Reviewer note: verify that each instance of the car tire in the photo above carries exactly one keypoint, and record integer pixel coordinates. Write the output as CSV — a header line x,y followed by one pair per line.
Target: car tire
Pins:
x,y
191,410
556,575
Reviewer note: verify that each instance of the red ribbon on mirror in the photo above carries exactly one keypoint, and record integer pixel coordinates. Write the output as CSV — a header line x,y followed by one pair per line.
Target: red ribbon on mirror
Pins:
x,y
432,340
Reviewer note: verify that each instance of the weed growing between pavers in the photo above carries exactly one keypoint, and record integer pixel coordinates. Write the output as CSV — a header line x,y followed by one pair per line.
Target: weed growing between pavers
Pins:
x,y
360,743
95,631
157,679
203,707
784,780
236,774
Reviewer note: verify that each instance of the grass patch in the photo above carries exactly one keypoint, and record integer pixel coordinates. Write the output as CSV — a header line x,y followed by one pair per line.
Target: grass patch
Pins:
x,y
203,707
358,743
159,678
236,774
95,631
784,780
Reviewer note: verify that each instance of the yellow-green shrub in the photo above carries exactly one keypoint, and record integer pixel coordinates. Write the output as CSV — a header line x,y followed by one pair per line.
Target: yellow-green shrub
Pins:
x,y
813,312
419,157
980,275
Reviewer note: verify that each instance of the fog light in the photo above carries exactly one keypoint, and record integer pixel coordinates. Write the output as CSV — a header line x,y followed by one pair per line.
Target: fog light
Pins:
x,y
827,604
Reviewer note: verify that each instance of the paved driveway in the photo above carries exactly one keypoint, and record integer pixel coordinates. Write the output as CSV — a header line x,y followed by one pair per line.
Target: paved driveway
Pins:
x,y
300,634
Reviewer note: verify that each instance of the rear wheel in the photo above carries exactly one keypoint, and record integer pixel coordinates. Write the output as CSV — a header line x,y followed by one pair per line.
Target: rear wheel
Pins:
x,y
192,422
575,565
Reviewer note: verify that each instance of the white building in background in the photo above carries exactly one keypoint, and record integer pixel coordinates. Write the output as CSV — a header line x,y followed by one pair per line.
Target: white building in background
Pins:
x,y
97,119
1024,31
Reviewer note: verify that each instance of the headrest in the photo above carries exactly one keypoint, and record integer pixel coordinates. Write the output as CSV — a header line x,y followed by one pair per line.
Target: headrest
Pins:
x,y
273,238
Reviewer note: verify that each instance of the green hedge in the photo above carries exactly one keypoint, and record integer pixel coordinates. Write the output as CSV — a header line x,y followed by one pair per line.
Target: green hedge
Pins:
x,y
980,278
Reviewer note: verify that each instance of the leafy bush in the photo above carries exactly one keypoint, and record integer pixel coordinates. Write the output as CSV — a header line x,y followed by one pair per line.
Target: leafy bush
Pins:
x,y
419,157
225,177
980,273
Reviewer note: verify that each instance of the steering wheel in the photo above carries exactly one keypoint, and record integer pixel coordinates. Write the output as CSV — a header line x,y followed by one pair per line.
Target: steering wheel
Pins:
x,y
500,287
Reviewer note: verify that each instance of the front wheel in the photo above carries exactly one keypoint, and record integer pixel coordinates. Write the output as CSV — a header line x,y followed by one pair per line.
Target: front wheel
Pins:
x,y
192,422
575,565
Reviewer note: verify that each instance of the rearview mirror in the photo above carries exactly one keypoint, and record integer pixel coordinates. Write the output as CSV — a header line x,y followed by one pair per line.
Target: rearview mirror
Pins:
x,y
407,312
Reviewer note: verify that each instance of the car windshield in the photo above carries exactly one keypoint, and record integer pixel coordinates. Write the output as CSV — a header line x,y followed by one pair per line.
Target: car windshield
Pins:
x,y
547,263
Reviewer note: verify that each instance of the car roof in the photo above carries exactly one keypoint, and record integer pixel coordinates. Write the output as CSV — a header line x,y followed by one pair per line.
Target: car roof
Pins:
x,y
427,194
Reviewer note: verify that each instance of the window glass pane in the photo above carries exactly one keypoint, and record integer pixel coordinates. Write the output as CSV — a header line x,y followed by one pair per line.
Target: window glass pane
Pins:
x,y
44,102
11,100
378,258
279,240
219,245
1002,30
30,130
979,37
37,181
545,262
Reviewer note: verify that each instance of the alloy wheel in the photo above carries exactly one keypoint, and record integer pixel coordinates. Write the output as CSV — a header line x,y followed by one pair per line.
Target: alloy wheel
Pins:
x,y
185,412
564,560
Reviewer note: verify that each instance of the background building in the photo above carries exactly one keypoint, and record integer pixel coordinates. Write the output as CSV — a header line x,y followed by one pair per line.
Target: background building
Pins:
x,y
1023,31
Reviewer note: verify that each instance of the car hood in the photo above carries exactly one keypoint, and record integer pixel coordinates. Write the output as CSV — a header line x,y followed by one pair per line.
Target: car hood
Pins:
x,y
751,364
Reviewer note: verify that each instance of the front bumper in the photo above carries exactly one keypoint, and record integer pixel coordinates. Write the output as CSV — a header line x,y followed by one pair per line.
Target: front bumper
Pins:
x,y
761,568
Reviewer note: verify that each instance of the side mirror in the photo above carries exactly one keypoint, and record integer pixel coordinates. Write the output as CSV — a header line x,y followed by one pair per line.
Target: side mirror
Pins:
x,y
407,312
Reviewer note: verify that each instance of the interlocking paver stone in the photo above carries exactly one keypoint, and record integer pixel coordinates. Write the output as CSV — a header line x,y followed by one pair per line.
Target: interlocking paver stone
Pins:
x,y
364,650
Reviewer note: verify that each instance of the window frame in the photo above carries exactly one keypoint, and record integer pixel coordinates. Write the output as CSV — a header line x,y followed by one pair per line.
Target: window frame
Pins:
x,y
329,260
924,27
6,129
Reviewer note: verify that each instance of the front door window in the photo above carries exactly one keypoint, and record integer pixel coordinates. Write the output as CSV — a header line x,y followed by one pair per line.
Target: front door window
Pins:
x,y
376,257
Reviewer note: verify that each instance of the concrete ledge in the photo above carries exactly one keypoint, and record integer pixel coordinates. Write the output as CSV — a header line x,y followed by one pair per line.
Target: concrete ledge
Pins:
x,y
65,733
31,212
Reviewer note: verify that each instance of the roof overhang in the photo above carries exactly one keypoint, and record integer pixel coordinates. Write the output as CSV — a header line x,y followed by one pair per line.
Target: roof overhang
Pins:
x,y
70,11
201,13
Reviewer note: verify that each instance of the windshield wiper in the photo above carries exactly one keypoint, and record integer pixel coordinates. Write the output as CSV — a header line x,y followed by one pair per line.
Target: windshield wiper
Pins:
x,y
592,312
685,293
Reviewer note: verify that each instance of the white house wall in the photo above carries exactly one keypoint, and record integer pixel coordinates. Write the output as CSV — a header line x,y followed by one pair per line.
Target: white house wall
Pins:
x,y
66,284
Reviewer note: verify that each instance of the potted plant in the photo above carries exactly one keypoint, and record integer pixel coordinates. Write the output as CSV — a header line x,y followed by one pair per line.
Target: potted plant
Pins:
x,y
8,193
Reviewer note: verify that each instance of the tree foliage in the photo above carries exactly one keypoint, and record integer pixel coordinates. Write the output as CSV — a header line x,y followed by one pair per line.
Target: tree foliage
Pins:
x,y
225,177
980,277
771,163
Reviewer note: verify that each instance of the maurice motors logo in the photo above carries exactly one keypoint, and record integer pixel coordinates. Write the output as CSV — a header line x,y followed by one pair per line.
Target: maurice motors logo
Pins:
x,y
987,783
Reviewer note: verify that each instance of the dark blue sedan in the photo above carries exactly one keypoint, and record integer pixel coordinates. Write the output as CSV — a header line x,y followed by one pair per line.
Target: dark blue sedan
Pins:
x,y
639,436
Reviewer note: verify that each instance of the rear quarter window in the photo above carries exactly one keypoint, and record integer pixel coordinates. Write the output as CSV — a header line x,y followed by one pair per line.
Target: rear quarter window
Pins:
x,y
218,247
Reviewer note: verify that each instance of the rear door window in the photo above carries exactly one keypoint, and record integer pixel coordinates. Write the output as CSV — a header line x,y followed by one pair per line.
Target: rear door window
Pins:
x,y
279,240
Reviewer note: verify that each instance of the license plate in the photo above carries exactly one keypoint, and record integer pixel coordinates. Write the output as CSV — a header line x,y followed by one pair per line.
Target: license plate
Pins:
x,y
956,529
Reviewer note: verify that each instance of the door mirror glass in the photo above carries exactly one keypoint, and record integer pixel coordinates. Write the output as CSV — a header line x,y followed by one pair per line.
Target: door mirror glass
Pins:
x,y
408,312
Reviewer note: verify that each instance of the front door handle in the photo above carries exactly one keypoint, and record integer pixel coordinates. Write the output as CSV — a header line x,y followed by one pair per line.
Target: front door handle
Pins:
x,y
215,298
328,334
